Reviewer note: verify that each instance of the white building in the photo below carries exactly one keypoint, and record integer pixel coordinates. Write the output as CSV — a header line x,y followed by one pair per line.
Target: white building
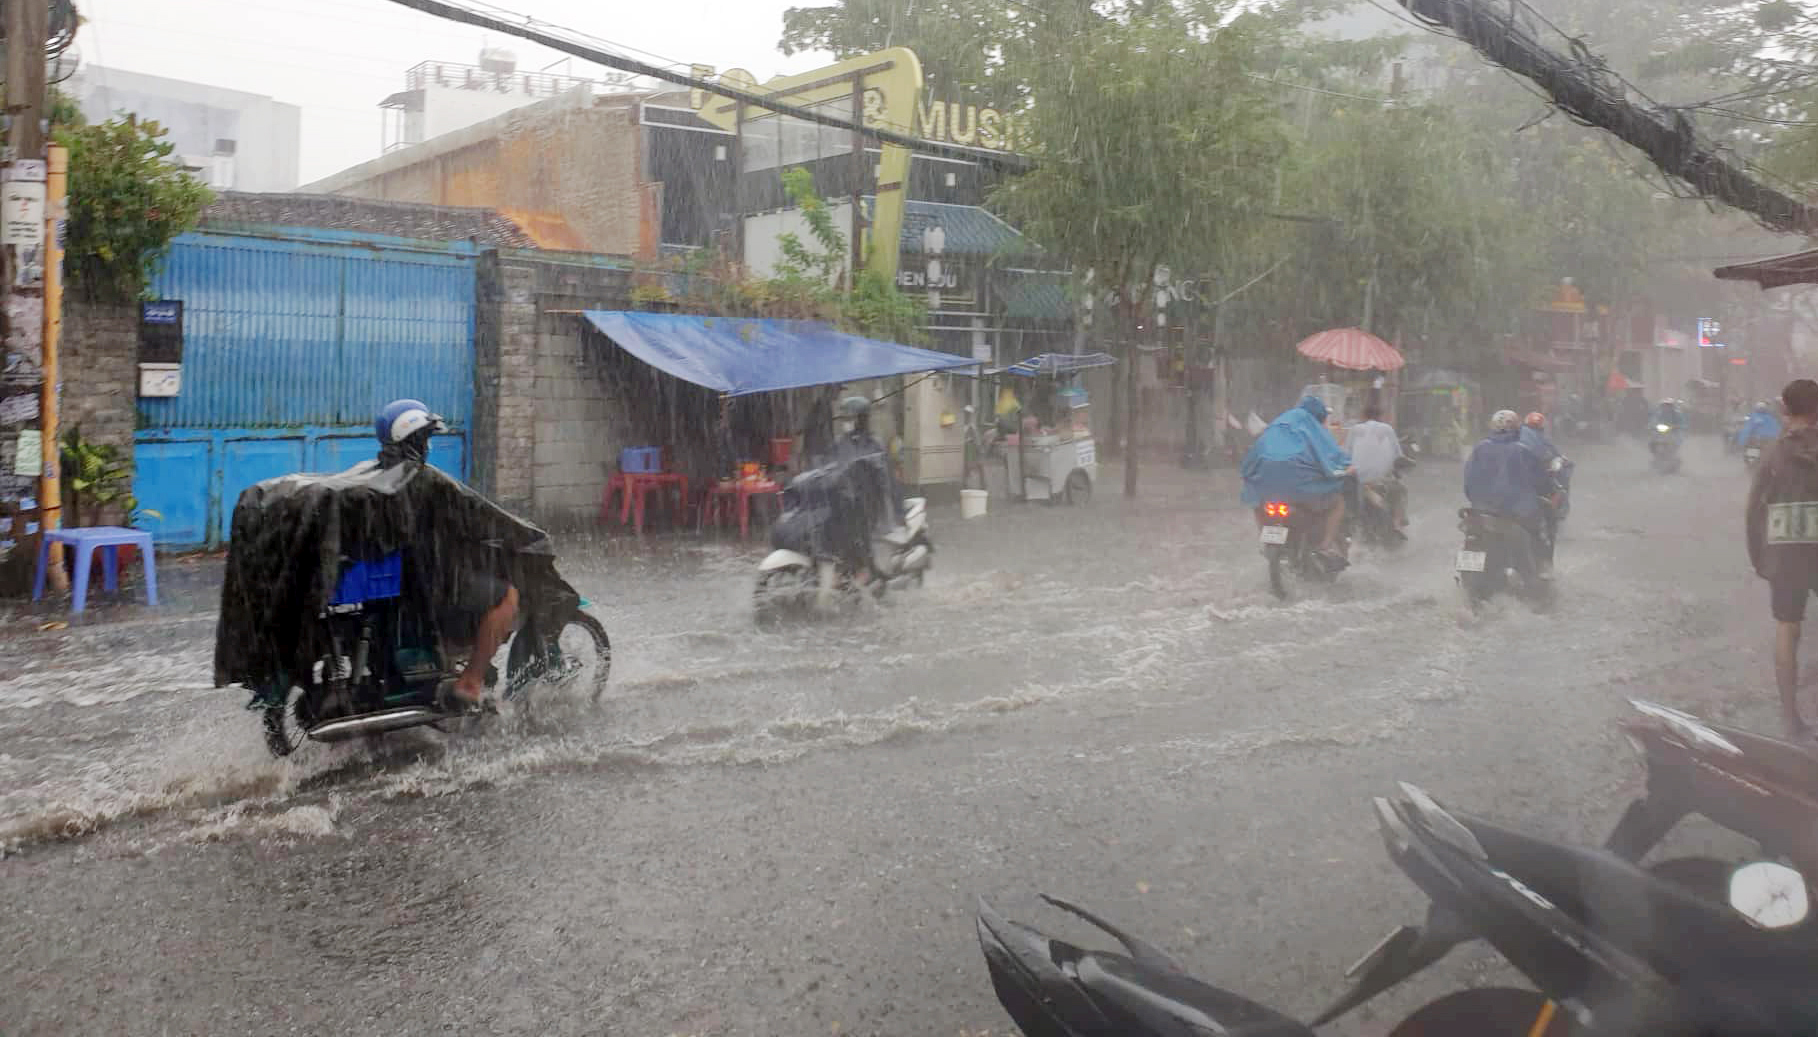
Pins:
x,y
233,140
441,97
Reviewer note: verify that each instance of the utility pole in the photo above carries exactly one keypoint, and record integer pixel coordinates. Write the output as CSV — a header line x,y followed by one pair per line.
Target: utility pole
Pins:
x,y
22,239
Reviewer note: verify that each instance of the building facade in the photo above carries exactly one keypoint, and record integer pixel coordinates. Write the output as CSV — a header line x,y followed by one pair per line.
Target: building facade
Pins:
x,y
232,140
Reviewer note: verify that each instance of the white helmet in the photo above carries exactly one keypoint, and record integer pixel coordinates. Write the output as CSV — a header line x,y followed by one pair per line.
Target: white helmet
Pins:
x,y
1505,421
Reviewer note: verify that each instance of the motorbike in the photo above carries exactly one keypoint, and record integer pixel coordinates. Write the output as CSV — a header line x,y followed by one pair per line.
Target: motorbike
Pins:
x,y
1751,453
328,614
1663,449
1761,787
385,667
1373,519
1612,947
1052,988
1290,532
1498,553
807,568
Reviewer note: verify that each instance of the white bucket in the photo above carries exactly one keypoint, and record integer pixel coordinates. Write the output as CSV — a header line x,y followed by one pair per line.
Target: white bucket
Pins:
x,y
972,503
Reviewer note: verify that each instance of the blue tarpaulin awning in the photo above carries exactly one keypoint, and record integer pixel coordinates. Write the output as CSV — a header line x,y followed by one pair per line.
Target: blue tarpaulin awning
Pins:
x,y
1057,364
738,356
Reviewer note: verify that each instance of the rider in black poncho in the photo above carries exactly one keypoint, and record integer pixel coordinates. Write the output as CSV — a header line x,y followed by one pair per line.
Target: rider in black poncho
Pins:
x,y
465,558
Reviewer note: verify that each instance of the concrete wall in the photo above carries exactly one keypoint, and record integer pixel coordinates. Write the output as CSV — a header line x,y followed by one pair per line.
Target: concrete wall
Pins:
x,y
99,364
565,157
546,428
266,134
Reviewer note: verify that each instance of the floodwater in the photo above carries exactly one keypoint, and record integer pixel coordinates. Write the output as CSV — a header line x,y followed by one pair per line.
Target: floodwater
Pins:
x,y
763,833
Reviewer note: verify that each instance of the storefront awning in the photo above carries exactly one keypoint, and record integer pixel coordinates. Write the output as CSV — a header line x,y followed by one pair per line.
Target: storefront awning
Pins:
x,y
738,356
1778,272
1057,364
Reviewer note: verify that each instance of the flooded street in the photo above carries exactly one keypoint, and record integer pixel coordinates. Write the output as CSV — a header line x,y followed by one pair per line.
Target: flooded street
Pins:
x,y
765,833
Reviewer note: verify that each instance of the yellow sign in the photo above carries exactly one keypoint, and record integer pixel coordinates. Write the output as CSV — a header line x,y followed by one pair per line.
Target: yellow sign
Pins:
x,y
968,125
890,85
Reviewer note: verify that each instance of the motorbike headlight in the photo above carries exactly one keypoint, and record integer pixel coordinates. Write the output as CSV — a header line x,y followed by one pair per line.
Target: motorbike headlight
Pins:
x,y
1663,428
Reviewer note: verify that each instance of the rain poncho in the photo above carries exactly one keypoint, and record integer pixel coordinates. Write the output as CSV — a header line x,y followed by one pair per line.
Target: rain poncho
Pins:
x,y
1504,476
1670,416
1537,441
1759,425
1295,459
293,534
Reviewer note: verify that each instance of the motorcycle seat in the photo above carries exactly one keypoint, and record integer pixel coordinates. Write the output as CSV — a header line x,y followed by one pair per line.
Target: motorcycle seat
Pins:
x,y
1693,942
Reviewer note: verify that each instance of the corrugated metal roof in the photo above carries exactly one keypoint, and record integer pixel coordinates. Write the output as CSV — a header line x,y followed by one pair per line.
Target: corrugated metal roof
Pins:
x,y
1030,300
395,219
965,230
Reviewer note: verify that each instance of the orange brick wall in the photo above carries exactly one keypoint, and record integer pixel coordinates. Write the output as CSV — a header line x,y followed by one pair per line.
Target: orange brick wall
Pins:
x,y
580,164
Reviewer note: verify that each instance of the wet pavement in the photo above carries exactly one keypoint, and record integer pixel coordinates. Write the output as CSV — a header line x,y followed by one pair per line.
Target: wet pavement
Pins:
x,y
763,833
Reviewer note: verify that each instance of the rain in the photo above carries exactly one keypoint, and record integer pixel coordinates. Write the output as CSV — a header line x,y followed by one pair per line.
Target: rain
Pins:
x,y
909,517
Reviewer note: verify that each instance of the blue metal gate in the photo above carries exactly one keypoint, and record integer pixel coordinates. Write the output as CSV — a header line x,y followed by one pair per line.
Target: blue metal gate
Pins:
x,y
293,339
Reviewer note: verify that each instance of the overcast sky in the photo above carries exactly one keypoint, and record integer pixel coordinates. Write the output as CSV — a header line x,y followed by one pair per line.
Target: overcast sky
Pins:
x,y
337,59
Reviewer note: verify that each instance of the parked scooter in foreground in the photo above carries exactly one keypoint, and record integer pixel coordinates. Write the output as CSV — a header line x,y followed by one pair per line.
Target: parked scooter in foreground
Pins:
x,y
1614,948
1760,787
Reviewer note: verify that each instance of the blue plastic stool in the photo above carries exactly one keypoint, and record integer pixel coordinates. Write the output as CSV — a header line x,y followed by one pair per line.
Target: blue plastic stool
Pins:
x,y
84,541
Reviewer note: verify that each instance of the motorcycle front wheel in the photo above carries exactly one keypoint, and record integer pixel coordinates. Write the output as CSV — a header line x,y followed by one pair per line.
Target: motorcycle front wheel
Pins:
x,y
579,656
778,593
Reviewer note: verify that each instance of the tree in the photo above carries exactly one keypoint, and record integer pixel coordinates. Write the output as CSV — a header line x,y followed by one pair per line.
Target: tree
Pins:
x,y
127,201
809,281
1152,141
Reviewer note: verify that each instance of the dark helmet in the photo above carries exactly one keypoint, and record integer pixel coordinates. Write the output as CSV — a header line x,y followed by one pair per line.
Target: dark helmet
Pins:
x,y
399,420
855,406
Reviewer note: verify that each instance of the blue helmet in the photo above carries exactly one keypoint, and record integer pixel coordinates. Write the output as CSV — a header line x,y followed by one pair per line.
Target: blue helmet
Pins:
x,y
401,419
1315,406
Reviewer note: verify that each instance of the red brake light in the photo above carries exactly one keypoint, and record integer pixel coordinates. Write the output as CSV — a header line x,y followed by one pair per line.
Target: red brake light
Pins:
x,y
1275,510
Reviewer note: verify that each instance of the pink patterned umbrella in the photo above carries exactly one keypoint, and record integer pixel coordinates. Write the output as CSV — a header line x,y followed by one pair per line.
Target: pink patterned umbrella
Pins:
x,y
1351,348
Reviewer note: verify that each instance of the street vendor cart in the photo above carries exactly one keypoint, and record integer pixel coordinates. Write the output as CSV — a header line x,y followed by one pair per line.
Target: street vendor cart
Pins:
x,y
1051,455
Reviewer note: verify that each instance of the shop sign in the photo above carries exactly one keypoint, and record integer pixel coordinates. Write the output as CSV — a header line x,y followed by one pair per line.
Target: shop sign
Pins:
x,y
966,124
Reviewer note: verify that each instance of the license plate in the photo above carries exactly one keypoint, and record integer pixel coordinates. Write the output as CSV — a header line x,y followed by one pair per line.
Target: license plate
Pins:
x,y
1471,561
1752,454
1275,534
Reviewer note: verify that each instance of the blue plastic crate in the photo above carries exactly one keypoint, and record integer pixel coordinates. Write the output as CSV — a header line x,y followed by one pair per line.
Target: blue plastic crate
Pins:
x,y
641,459
370,581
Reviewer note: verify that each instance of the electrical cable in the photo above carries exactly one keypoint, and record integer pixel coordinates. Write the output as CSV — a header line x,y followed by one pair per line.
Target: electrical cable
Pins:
x,y
468,15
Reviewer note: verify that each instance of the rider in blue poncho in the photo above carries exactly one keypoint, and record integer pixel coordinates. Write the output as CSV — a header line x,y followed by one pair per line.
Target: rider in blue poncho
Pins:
x,y
1297,461
1760,426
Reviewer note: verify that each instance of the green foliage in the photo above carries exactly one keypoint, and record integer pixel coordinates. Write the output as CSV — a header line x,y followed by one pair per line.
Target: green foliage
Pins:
x,y
97,476
809,282
1153,142
64,112
127,200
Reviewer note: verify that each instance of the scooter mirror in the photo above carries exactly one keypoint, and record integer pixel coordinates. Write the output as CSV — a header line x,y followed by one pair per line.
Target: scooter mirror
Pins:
x,y
1773,896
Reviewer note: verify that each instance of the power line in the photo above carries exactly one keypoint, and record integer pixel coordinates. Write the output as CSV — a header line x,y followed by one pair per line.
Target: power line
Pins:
x,y
1586,90
528,30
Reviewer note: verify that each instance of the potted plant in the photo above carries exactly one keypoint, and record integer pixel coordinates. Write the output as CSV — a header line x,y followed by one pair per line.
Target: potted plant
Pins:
x,y
95,478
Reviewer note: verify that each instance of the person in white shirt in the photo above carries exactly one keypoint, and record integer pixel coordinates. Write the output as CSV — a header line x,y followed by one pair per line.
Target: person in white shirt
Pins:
x,y
1374,450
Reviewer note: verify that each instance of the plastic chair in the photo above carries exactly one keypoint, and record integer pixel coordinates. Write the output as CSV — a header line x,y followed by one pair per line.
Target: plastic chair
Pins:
x,y
85,541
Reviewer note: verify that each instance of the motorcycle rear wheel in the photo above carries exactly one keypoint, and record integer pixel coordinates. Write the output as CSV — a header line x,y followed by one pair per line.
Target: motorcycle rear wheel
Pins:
x,y
1487,1012
1278,561
285,724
